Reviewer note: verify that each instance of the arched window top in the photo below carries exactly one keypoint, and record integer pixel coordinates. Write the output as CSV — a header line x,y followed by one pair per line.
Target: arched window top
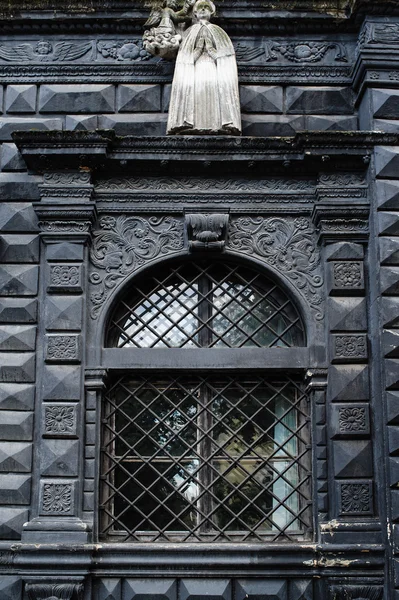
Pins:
x,y
204,304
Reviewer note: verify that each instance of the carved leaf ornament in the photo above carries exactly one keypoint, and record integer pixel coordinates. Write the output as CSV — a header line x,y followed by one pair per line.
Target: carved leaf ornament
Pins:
x,y
123,244
286,244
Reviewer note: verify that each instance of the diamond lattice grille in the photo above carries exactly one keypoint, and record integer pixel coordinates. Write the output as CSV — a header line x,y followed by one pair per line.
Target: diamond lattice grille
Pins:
x,y
197,458
205,305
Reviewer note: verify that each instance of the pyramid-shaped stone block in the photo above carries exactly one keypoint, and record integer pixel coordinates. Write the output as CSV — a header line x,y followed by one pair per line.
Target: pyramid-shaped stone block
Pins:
x,y
61,383
385,104
387,194
15,489
65,251
272,125
11,159
390,312
392,403
59,458
18,248
11,522
63,312
17,217
108,588
393,440
319,100
344,251
139,98
301,589
389,251
18,280
387,162
394,472
391,373
261,99
17,337
353,458
389,280
390,341
81,122
21,99
348,382
16,426
212,589
331,123
17,368
347,314
15,457
10,588
16,396
79,98
261,589
388,223
10,124
18,310
147,589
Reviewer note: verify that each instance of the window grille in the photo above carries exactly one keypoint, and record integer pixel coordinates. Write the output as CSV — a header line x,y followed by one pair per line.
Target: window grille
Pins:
x,y
205,457
201,304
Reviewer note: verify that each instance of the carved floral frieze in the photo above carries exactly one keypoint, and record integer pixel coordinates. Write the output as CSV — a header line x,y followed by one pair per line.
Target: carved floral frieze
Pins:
x,y
190,184
288,245
123,244
304,52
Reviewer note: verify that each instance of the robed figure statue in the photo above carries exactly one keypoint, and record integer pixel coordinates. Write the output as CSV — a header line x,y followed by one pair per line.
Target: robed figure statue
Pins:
x,y
205,97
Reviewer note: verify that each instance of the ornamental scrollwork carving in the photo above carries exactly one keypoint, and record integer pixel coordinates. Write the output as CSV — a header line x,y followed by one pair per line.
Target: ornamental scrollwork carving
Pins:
x,y
54,591
289,246
198,184
66,178
305,52
123,244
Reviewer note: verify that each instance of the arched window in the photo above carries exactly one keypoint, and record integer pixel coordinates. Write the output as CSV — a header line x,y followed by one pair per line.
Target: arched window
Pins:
x,y
219,454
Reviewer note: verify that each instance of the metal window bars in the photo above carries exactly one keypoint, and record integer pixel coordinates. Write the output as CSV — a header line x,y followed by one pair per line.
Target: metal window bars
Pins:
x,y
205,304
205,458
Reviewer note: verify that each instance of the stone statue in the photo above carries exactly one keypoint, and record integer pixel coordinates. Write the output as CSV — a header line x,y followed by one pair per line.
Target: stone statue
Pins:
x,y
205,97
162,39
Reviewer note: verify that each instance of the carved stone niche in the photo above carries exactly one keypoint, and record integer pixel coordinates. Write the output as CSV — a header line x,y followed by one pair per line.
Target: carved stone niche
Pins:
x,y
206,232
54,591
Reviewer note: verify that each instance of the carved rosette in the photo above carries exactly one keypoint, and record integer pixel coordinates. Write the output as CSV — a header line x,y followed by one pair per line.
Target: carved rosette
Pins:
x,y
123,244
289,246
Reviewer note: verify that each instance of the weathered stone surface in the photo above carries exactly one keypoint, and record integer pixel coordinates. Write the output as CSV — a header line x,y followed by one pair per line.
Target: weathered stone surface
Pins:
x,y
151,124
11,159
17,368
261,99
108,588
60,420
392,400
16,426
15,457
138,98
350,420
270,125
65,251
18,310
57,497
17,248
16,396
10,587
17,217
385,125
10,124
214,589
11,522
18,280
389,278
390,312
163,589
389,251
390,343
81,122
387,195
388,223
59,458
319,100
21,99
17,337
79,98
346,278
344,251
15,489
392,374
385,103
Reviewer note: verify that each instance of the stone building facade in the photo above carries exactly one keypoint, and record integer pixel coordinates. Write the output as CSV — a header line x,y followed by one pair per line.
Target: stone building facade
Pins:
x,y
199,355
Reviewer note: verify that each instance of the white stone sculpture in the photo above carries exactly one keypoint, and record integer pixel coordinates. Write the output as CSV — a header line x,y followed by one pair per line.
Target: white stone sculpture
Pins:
x,y
205,97
162,39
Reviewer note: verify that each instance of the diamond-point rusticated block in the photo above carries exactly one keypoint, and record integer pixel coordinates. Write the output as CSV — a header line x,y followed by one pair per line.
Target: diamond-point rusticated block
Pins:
x,y
11,522
261,589
108,588
15,457
18,280
61,382
213,589
21,98
146,589
353,458
59,458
